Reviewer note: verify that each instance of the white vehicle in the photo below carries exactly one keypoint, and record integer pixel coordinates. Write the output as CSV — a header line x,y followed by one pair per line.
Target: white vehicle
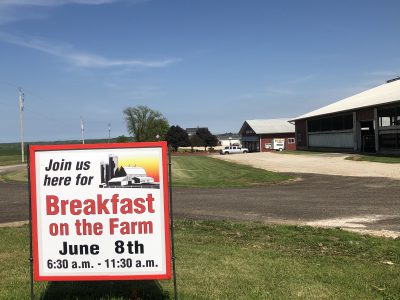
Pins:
x,y
233,150
278,144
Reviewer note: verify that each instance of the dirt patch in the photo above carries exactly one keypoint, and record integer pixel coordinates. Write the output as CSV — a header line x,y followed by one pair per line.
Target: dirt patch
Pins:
x,y
14,224
11,168
359,224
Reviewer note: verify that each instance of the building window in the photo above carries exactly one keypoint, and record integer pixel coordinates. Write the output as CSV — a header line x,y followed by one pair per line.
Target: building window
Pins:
x,y
291,141
389,116
343,122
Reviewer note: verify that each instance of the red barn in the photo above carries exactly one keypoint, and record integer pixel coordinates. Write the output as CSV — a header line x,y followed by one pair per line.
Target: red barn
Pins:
x,y
268,135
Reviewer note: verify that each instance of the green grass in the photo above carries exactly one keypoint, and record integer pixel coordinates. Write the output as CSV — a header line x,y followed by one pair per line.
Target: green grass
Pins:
x,y
203,171
198,171
14,176
226,260
373,158
6,160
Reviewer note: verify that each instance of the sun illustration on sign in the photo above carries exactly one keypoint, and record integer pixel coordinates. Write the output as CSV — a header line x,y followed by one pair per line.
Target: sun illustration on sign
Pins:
x,y
130,172
150,164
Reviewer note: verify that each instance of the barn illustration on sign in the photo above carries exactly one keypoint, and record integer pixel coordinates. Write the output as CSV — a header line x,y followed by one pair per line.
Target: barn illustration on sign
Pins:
x,y
113,176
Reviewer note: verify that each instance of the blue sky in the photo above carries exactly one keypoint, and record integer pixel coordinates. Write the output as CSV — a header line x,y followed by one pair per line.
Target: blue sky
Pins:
x,y
201,63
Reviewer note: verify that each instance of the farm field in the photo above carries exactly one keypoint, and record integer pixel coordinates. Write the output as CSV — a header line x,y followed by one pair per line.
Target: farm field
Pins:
x,y
10,153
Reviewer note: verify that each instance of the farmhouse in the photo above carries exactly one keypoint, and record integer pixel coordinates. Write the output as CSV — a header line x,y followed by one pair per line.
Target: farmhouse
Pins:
x,y
228,139
366,122
265,135
192,130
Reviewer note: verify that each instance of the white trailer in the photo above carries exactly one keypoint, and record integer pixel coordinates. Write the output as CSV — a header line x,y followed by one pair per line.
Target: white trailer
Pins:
x,y
278,144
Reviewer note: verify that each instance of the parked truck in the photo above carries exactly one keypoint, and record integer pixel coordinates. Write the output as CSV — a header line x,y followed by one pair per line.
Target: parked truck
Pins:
x,y
233,150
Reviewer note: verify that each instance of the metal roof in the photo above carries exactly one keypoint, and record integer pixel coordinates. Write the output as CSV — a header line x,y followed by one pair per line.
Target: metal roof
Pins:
x,y
136,171
268,126
382,94
117,179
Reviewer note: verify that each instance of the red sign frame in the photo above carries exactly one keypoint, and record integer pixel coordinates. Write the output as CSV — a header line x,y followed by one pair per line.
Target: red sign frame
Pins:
x,y
33,184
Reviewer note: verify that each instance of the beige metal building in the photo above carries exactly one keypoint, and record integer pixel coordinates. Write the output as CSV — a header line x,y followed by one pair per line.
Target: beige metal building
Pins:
x,y
366,122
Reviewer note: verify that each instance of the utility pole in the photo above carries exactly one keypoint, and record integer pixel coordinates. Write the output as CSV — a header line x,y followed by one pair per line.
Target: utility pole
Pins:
x,y
82,130
21,109
109,131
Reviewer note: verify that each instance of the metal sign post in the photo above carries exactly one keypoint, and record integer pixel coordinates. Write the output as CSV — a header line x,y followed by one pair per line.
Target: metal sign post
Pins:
x,y
171,218
30,226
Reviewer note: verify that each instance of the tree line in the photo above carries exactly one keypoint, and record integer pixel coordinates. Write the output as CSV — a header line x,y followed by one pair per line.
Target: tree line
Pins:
x,y
145,125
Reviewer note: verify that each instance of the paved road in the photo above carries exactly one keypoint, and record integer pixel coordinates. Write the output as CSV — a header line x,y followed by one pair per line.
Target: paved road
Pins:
x,y
362,203
332,201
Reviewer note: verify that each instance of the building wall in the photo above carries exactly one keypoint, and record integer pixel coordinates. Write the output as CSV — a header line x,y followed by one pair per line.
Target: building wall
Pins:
x,y
301,134
388,133
267,139
332,139
365,114
322,132
250,139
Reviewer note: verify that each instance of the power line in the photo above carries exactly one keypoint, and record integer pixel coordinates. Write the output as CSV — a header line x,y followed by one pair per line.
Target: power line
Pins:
x,y
21,109
109,131
82,130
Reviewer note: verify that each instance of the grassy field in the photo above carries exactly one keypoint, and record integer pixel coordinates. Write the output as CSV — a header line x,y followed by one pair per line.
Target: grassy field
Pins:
x,y
203,171
10,154
225,260
198,171
373,158
6,160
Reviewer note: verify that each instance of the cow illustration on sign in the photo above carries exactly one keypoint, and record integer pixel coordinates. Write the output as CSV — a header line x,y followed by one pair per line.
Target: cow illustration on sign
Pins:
x,y
125,176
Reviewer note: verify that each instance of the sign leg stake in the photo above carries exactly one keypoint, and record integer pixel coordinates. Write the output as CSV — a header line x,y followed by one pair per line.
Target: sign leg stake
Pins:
x,y
30,227
171,221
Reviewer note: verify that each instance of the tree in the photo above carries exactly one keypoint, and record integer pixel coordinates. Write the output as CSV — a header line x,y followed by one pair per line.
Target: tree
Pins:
x,y
145,124
208,139
122,139
120,172
177,137
195,141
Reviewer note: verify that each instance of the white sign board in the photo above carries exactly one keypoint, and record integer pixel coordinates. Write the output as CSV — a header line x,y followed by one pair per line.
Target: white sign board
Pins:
x,y
100,211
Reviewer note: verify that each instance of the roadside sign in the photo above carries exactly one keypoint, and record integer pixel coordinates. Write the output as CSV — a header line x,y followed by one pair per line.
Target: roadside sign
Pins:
x,y
100,211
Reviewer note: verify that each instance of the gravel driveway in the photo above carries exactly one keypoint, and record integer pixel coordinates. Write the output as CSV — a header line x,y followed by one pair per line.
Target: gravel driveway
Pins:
x,y
324,163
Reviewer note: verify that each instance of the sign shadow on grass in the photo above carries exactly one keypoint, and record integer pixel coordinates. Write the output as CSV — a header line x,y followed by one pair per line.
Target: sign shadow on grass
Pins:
x,y
148,289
